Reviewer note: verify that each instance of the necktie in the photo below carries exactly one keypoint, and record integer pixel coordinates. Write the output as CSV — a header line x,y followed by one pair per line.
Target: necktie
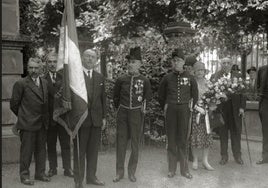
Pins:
x,y
54,77
36,82
89,74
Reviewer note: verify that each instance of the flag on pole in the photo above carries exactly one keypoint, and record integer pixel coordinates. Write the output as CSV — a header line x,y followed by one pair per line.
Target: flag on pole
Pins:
x,y
70,103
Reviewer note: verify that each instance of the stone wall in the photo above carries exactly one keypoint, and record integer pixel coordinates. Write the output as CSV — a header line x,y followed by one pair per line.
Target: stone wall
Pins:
x,y
10,17
12,69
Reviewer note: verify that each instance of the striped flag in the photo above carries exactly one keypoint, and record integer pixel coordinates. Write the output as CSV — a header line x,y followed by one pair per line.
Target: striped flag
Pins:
x,y
70,103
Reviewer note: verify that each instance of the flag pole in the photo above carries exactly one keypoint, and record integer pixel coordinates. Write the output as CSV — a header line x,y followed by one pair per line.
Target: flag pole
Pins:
x,y
78,159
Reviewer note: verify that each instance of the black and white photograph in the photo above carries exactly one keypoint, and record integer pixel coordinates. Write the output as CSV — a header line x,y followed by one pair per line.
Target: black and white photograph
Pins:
x,y
134,93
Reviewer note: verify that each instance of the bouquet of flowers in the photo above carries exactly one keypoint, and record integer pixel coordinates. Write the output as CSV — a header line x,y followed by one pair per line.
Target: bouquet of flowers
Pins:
x,y
217,93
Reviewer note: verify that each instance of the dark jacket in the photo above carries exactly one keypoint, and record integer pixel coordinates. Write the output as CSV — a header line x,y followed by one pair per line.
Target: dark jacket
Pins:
x,y
238,101
131,91
262,82
96,104
177,89
30,104
52,88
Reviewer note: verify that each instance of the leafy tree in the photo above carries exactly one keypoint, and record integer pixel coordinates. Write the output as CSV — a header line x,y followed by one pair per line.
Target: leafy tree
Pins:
x,y
227,22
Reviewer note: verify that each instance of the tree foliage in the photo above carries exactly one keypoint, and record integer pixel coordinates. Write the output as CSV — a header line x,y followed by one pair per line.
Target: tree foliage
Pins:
x,y
225,23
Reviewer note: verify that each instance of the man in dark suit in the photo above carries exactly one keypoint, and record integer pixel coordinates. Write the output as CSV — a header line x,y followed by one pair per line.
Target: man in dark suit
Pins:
x,y
232,110
262,87
29,102
131,91
90,132
55,130
176,91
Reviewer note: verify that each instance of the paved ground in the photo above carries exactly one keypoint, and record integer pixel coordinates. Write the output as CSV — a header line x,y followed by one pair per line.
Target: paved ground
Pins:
x,y
152,171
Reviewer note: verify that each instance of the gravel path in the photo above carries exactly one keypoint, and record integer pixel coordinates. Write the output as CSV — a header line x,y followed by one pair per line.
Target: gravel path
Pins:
x,y
152,171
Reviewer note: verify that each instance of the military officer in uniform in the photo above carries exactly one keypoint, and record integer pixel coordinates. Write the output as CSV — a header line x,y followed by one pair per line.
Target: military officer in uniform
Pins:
x,y
131,91
177,90
262,87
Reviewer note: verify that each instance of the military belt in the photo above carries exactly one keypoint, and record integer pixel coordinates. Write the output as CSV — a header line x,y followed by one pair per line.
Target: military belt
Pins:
x,y
130,108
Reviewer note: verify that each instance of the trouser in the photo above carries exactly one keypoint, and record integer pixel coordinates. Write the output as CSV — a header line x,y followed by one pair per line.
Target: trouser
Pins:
x,y
264,121
229,125
128,127
89,140
177,120
53,133
32,142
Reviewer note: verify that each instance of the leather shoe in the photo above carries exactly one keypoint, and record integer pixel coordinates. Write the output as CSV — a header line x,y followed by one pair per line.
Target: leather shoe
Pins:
x,y
239,160
96,182
187,175
132,178
52,172
117,178
262,161
171,174
27,181
42,178
78,185
68,173
223,161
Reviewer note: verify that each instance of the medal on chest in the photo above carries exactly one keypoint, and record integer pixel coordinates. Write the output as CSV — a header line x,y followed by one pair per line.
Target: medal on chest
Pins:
x,y
184,81
139,85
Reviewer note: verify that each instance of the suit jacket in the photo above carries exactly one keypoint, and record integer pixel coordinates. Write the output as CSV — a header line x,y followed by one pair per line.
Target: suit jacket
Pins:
x,y
262,79
52,89
30,104
97,104
238,101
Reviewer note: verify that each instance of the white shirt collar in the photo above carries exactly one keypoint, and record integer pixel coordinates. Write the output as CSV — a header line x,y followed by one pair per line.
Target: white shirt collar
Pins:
x,y
88,71
36,80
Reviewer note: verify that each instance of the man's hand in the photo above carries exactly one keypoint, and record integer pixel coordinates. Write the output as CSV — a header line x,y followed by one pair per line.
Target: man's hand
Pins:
x,y
241,112
15,130
103,127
